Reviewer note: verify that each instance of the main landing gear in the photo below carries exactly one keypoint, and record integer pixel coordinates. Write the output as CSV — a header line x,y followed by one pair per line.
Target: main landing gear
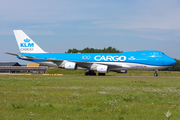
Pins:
x,y
90,73
156,73
101,74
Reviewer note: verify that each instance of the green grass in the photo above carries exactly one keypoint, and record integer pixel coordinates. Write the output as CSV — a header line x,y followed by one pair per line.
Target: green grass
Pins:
x,y
89,97
130,72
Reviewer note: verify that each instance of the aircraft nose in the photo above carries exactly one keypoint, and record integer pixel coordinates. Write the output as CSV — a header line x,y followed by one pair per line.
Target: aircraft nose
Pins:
x,y
169,61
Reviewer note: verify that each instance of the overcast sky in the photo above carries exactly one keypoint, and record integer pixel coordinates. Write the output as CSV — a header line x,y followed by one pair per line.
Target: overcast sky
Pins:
x,y
59,25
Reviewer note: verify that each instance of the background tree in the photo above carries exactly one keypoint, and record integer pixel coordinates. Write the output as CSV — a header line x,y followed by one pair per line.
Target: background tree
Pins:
x,y
92,50
175,67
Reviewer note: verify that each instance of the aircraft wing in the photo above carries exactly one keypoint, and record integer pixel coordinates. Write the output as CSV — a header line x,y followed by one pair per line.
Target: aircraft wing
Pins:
x,y
88,64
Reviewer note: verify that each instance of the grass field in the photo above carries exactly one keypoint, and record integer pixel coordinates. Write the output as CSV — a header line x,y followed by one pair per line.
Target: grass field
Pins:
x,y
90,97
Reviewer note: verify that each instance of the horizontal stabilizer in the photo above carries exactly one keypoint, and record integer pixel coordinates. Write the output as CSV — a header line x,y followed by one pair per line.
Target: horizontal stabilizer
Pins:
x,y
21,56
11,53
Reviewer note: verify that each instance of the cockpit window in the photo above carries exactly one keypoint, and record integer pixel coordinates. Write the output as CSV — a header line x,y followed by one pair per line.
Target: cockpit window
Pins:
x,y
161,53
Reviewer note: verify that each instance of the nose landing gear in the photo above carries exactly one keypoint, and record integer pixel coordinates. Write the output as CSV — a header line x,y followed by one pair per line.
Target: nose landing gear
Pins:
x,y
156,73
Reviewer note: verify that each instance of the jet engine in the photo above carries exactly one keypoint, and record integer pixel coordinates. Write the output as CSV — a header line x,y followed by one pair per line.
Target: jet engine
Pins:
x,y
71,66
102,69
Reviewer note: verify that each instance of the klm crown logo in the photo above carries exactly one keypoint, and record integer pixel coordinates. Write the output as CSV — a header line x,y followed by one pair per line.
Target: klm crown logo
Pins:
x,y
27,40
27,43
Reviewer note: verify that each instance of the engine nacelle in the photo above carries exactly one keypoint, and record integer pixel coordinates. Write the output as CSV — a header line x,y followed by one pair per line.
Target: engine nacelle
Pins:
x,y
70,66
102,69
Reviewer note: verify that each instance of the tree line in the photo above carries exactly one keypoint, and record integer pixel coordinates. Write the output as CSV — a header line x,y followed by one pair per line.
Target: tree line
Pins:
x,y
175,67
92,50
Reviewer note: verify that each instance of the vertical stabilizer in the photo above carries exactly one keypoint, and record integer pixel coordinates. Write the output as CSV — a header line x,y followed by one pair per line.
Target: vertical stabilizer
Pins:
x,y
26,44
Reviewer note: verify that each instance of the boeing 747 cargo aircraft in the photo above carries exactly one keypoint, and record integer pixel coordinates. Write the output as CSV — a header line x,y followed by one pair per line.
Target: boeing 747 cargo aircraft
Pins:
x,y
100,62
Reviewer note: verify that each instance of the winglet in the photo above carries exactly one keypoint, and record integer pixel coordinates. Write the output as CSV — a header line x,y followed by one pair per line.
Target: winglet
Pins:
x,y
26,44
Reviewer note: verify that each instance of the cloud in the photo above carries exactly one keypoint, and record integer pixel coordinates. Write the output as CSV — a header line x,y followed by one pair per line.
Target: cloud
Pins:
x,y
56,15
157,34
145,14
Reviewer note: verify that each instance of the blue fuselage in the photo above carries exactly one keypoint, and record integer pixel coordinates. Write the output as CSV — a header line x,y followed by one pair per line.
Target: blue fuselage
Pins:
x,y
152,58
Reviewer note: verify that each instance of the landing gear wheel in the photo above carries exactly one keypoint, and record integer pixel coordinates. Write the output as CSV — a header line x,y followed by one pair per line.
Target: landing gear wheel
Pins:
x,y
86,73
156,73
101,74
90,73
94,74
